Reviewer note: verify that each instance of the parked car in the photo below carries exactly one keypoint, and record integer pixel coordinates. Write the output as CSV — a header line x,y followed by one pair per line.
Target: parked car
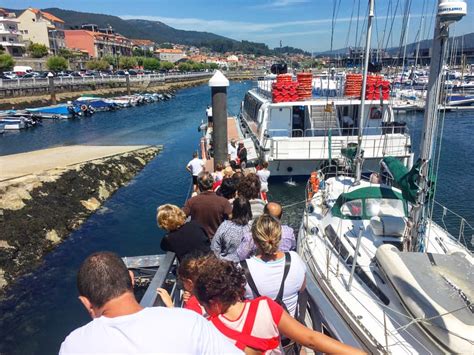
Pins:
x,y
10,75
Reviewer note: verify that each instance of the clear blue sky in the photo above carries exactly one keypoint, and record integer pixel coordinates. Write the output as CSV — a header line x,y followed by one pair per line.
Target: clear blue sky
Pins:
x,y
305,24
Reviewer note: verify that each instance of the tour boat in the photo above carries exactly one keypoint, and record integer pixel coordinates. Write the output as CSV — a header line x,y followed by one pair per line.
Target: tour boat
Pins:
x,y
299,136
400,281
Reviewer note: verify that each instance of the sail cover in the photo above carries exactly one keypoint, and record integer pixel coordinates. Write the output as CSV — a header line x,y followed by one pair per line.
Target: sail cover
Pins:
x,y
406,180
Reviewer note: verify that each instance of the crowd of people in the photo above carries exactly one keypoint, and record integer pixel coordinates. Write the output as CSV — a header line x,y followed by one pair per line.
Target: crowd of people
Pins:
x,y
242,282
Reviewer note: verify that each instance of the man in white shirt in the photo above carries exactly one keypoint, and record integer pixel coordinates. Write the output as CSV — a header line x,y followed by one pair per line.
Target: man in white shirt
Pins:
x,y
195,167
209,116
121,325
232,150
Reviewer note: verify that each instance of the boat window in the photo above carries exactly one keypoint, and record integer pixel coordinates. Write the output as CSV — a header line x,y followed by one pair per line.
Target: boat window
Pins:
x,y
352,208
251,108
384,207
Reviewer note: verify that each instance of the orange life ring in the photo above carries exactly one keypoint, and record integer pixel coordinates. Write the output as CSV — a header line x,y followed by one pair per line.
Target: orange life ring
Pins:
x,y
313,184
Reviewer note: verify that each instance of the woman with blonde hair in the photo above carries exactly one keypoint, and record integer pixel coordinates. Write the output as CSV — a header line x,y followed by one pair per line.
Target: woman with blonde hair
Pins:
x,y
271,272
183,237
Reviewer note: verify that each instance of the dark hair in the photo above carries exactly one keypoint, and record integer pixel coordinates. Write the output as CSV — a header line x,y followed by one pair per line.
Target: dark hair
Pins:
x,y
227,188
103,276
237,177
205,181
241,211
249,186
190,266
221,281
195,154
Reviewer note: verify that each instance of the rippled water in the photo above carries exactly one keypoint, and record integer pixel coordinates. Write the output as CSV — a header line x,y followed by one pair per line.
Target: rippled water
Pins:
x,y
43,308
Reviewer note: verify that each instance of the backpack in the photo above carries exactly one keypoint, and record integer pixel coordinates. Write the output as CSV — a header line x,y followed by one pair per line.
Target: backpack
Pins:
x,y
253,287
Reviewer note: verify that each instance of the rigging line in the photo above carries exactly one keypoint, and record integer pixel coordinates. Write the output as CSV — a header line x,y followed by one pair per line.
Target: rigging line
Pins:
x,y
350,26
389,7
406,16
394,14
357,31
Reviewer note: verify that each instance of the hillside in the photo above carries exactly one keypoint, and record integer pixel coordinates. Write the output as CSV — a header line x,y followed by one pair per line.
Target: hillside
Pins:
x,y
466,40
160,33
154,30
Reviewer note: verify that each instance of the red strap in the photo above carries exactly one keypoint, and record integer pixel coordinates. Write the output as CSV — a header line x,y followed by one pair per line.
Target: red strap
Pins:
x,y
251,315
244,338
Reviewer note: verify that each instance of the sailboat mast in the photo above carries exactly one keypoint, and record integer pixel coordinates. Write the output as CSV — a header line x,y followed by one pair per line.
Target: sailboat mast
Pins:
x,y
448,12
368,39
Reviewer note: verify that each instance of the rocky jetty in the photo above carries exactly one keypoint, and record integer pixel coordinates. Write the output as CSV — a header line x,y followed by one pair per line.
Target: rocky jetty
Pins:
x,y
39,209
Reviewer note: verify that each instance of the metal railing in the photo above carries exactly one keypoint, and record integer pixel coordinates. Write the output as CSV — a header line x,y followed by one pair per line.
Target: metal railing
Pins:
x,y
75,80
283,147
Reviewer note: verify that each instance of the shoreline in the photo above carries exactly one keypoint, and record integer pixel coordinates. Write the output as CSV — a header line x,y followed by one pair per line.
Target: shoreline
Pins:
x,y
22,102
43,201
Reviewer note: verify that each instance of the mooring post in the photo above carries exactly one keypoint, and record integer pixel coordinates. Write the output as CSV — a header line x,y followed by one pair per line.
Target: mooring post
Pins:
x,y
52,89
218,84
127,78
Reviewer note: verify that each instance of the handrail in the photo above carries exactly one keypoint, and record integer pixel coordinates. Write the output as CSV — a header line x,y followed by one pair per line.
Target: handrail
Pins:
x,y
150,298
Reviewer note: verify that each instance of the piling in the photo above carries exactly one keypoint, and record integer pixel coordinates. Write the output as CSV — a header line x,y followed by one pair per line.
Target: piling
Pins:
x,y
218,84
52,89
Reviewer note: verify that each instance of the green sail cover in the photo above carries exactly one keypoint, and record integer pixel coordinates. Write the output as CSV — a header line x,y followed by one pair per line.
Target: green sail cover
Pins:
x,y
406,180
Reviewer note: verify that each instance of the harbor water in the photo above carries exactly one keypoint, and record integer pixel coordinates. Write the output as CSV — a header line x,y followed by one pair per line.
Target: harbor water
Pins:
x,y
42,307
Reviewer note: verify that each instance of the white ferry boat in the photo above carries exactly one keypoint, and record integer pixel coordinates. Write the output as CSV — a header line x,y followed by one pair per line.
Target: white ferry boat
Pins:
x,y
298,137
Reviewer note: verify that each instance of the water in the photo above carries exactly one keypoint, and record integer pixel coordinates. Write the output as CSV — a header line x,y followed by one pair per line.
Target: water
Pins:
x,y
43,307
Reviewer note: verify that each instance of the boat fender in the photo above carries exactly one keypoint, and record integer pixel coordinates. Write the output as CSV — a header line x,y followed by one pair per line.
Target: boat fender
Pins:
x,y
83,108
313,186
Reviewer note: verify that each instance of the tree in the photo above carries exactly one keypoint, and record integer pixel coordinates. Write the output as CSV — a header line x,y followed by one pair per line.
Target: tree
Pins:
x,y
65,53
166,65
151,64
166,46
57,63
139,60
110,59
96,64
127,62
37,50
184,67
138,52
213,66
6,62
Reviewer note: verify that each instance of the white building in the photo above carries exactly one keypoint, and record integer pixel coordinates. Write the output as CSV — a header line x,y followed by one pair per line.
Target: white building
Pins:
x,y
10,37
170,55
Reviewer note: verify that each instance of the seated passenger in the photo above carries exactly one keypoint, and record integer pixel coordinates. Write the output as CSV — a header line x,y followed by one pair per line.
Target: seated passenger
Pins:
x,y
249,187
230,233
121,325
182,237
248,248
253,325
266,271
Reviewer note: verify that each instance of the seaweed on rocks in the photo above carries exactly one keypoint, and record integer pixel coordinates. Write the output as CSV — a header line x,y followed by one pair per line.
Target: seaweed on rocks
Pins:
x,y
58,206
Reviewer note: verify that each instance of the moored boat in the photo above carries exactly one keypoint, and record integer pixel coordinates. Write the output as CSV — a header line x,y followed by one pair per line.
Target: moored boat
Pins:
x,y
398,279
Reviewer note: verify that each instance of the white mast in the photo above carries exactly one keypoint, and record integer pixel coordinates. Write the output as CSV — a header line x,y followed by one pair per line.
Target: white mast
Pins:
x,y
358,158
449,11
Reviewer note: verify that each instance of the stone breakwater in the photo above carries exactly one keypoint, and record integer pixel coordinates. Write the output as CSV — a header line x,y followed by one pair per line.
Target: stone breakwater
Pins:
x,y
40,209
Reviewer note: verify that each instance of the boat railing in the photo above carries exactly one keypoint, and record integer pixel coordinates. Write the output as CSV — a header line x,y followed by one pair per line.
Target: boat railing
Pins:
x,y
457,226
318,145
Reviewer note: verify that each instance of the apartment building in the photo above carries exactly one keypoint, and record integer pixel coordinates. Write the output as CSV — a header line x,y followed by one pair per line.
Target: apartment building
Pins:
x,y
10,37
42,27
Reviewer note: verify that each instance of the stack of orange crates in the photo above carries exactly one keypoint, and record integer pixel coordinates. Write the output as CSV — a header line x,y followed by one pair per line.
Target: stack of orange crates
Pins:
x,y
284,90
353,87
305,87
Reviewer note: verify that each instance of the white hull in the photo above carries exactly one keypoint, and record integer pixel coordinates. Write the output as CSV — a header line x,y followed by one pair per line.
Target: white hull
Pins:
x,y
371,308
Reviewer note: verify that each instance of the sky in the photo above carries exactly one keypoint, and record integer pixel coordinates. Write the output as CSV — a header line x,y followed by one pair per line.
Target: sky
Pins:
x,y
306,24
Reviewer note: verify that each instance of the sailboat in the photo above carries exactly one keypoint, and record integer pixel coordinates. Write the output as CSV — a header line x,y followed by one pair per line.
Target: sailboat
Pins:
x,y
401,282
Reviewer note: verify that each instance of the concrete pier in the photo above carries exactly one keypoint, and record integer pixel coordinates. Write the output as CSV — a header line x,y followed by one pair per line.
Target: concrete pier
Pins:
x,y
47,194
